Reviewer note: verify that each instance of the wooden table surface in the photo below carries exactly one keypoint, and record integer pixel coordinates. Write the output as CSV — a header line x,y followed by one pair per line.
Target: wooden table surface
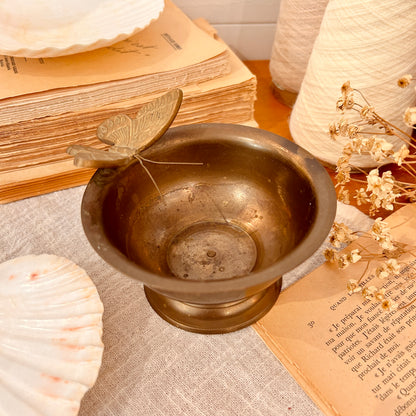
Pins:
x,y
269,112
273,116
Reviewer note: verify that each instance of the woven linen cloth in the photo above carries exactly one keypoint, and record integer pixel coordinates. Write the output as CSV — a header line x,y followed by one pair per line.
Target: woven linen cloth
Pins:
x,y
149,367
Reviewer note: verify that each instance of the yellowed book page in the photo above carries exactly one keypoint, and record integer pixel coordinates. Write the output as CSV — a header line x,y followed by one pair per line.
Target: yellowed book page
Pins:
x,y
238,79
169,43
351,356
41,180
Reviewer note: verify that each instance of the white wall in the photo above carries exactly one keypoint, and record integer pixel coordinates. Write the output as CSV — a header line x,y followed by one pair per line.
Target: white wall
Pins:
x,y
248,26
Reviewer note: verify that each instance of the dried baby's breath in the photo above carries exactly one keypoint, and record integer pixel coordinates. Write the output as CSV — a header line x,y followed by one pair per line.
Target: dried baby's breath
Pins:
x,y
346,101
368,134
331,255
381,149
388,305
361,196
369,292
410,116
379,294
341,234
381,233
367,114
333,131
354,256
404,81
387,268
344,195
353,286
400,156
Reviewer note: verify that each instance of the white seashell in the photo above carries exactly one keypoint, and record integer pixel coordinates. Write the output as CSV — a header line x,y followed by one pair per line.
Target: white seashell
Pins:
x,y
48,28
50,336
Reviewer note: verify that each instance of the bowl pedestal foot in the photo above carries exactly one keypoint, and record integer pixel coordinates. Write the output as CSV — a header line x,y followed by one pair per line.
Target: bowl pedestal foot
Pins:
x,y
214,318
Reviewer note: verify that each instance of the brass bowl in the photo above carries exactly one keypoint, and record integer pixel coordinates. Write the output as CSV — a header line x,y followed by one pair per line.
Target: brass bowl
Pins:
x,y
212,250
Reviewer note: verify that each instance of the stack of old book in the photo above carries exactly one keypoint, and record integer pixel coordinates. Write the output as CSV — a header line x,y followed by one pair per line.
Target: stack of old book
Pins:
x,y
48,104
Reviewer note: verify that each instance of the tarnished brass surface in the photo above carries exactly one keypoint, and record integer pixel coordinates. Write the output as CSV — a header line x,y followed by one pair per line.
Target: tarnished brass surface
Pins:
x,y
211,251
217,318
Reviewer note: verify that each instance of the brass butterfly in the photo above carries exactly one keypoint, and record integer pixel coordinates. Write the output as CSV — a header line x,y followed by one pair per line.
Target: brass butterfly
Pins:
x,y
128,137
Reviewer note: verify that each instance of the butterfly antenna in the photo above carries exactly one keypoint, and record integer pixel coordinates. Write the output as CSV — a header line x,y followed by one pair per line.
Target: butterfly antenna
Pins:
x,y
170,163
139,158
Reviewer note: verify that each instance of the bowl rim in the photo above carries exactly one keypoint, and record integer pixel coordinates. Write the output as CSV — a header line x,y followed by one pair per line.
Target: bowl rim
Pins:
x,y
325,199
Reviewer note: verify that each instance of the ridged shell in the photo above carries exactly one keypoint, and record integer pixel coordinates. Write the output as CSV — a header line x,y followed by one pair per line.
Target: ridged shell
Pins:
x,y
50,28
50,336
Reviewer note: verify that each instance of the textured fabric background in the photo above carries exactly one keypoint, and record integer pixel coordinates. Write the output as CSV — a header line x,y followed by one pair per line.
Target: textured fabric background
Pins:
x,y
149,367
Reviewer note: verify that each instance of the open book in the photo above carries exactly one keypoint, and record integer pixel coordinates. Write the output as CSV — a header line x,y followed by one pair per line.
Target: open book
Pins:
x,y
352,357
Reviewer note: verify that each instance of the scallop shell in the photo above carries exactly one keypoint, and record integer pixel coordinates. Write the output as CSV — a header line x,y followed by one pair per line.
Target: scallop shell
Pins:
x,y
49,28
50,336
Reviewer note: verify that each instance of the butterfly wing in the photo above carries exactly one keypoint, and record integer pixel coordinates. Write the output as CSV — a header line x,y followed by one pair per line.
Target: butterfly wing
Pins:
x,y
155,117
89,157
119,130
152,120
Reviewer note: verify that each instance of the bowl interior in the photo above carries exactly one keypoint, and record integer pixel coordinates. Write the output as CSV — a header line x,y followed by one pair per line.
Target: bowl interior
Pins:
x,y
246,207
